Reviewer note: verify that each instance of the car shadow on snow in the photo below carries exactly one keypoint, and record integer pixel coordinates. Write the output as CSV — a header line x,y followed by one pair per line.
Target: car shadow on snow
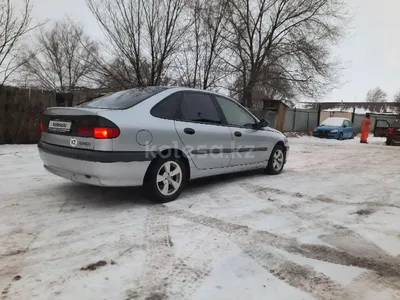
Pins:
x,y
95,196
77,194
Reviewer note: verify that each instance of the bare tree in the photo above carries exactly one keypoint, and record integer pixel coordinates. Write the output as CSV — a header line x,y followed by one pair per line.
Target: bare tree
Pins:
x,y
396,97
376,95
199,63
144,35
293,36
271,85
119,75
14,24
62,57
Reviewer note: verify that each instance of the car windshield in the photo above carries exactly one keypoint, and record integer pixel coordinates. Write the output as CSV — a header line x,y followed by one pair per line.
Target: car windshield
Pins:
x,y
332,122
123,99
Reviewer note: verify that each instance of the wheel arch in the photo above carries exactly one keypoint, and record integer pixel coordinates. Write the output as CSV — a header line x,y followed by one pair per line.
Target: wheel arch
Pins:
x,y
280,143
170,152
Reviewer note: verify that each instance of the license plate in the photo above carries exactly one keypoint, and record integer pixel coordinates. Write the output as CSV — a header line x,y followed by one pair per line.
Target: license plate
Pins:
x,y
59,126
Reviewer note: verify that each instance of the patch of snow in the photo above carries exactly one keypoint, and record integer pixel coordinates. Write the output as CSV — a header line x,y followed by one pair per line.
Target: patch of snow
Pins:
x,y
222,239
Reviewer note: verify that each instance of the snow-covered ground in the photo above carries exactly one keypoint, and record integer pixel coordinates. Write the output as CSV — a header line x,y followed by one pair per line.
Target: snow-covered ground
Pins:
x,y
326,228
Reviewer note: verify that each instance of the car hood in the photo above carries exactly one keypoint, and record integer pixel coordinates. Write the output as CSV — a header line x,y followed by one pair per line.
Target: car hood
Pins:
x,y
273,130
328,128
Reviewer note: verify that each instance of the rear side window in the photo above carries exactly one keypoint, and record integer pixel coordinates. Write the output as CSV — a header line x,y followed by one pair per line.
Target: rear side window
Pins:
x,y
199,107
167,108
124,99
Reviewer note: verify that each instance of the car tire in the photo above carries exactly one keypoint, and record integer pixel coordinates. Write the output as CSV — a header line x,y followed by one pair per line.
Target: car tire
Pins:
x,y
353,136
340,136
165,179
276,161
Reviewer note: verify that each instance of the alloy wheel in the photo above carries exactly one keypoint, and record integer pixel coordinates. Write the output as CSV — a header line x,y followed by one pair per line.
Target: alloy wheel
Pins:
x,y
278,160
169,178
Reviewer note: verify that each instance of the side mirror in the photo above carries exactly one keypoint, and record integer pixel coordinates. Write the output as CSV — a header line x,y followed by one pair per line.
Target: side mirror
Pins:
x,y
344,126
263,123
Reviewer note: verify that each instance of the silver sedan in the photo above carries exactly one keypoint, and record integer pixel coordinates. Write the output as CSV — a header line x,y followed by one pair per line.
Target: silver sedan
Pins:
x,y
159,137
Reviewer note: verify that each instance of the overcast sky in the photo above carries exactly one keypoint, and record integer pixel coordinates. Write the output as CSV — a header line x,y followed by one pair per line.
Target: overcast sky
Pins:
x,y
371,52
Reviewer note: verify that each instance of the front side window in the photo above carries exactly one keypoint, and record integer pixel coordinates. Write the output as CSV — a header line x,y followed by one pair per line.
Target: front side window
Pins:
x,y
234,114
198,107
381,123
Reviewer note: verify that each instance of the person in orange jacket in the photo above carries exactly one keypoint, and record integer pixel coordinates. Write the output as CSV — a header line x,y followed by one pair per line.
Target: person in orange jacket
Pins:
x,y
365,123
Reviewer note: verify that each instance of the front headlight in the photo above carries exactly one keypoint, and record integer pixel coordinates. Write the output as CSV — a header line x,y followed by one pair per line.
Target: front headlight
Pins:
x,y
334,131
315,130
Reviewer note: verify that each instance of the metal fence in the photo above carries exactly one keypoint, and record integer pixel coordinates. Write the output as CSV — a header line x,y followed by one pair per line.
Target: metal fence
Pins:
x,y
300,119
307,119
359,117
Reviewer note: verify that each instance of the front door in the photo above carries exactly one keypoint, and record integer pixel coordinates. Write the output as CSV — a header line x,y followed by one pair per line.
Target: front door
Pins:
x,y
201,129
348,130
381,127
250,145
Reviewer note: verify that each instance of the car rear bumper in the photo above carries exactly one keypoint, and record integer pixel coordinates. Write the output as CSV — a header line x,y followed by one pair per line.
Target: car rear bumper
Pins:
x,y
94,167
394,140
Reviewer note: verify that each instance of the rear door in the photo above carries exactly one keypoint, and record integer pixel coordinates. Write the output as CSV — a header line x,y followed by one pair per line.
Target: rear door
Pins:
x,y
250,145
203,132
381,127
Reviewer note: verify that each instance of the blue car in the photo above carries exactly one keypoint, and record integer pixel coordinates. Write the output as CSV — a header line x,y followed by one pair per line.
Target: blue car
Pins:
x,y
335,128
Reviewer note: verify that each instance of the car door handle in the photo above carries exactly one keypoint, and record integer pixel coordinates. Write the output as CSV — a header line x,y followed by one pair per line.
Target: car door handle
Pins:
x,y
238,133
189,131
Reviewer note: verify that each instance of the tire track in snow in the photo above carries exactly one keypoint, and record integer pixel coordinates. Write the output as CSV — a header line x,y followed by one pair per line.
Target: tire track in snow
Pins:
x,y
302,277
243,235
189,277
371,281
190,271
154,279
259,189
342,237
296,275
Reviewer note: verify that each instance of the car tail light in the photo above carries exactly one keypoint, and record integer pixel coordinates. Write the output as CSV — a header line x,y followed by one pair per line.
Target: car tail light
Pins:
x,y
85,131
390,130
99,132
42,127
105,133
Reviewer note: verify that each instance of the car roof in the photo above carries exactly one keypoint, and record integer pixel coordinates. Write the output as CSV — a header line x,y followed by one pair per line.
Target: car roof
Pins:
x,y
338,118
182,88
161,88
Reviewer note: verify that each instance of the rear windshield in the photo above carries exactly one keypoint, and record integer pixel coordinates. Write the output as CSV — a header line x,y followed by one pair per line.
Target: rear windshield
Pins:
x,y
124,99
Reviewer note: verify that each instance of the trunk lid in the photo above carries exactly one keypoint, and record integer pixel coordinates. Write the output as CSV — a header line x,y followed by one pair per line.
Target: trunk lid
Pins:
x,y
64,126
